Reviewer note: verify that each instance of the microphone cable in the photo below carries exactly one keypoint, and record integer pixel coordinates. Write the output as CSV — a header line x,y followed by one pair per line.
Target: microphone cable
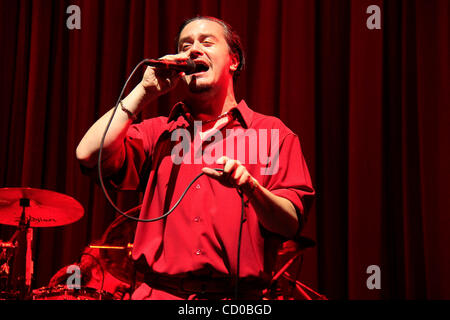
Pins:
x,y
105,192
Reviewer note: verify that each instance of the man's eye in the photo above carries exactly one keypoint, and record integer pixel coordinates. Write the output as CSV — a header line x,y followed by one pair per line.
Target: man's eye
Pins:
x,y
185,47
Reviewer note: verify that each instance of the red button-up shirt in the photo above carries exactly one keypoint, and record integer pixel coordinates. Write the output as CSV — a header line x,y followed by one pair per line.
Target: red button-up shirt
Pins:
x,y
201,235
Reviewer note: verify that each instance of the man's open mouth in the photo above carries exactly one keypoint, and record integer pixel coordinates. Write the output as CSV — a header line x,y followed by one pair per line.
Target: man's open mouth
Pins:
x,y
200,66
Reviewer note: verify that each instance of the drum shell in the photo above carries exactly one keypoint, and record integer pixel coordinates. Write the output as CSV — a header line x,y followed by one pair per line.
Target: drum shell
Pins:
x,y
65,293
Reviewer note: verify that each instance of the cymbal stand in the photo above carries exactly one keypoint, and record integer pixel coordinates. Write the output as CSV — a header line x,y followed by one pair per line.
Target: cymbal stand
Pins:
x,y
23,274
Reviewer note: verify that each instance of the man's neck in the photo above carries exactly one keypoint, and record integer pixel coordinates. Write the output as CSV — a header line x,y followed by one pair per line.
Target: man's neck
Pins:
x,y
209,106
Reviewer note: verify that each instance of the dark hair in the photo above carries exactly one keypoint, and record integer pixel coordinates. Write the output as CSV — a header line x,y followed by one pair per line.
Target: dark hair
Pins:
x,y
231,37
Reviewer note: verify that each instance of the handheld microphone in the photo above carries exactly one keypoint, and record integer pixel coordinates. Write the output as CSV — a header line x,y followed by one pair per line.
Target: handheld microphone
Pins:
x,y
188,66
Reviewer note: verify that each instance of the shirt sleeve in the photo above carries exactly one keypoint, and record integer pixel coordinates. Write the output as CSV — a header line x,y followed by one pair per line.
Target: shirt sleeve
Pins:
x,y
292,180
126,166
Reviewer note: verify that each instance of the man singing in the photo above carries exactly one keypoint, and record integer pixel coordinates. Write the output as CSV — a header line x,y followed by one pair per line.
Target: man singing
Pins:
x,y
192,253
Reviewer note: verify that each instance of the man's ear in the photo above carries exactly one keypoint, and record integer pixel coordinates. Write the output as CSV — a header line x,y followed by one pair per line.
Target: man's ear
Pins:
x,y
234,62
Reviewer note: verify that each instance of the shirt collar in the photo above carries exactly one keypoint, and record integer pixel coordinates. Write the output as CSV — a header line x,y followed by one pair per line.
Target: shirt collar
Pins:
x,y
179,109
180,115
243,113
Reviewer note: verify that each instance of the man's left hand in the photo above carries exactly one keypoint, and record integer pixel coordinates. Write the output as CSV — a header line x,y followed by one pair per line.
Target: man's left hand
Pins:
x,y
234,175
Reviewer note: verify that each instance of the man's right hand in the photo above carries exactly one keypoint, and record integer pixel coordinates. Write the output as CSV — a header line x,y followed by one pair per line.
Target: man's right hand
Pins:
x,y
160,81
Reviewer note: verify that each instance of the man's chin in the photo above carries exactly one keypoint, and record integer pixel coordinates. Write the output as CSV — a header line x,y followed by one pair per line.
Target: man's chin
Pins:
x,y
197,88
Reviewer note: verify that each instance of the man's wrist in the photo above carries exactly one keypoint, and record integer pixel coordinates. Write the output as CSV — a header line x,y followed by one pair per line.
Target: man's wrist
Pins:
x,y
148,94
130,114
135,101
250,187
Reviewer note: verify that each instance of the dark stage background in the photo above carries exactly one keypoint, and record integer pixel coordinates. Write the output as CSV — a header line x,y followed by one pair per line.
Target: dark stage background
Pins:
x,y
371,108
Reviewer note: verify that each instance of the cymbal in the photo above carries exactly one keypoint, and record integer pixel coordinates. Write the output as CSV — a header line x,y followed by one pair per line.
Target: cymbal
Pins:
x,y
119,236
47,208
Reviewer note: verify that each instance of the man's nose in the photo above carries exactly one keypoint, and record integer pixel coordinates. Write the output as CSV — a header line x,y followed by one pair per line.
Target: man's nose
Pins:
x,y
195,50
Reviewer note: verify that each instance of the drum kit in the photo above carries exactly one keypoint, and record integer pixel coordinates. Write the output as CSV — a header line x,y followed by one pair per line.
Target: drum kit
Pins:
x,y
28,208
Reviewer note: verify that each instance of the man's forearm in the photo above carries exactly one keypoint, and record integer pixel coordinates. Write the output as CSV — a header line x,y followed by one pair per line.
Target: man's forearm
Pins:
x,y
275,213
87,150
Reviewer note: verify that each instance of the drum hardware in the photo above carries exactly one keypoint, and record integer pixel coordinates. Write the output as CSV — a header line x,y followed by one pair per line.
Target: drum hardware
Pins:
x,y
128,247
283,285
22,273
28,208
7,245
6,256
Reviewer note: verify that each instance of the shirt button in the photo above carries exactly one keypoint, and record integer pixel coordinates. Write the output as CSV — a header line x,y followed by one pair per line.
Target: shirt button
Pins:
x,y
197,219
198,252
197,186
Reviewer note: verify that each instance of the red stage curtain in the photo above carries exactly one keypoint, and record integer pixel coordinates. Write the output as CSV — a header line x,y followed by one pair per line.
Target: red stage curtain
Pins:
x,y
371,108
